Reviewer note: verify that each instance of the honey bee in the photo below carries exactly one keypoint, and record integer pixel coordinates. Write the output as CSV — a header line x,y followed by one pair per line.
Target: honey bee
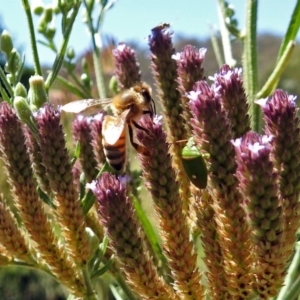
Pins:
x,y
127,107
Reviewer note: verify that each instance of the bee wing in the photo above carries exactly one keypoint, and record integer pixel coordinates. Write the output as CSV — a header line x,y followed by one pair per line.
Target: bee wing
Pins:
x,y
86,107
112,129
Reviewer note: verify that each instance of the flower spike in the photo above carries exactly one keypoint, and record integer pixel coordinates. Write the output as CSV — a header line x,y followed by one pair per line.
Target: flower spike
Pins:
x,y
117,217
257,182
160,179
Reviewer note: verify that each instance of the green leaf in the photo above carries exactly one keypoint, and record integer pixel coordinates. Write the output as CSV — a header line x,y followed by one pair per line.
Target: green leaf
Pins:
x,y
4,82
45,198
104,269
82,184
76,153
292,30
72,88
4,95
149,230
94,263
89,198
273,79
20,71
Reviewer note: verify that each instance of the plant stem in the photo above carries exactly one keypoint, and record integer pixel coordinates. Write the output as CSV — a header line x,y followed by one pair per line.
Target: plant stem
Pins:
x,y
216,47
90,295
71,87
250,63
225,35
63,47
128,292
33,43
293,292
96,57
292,276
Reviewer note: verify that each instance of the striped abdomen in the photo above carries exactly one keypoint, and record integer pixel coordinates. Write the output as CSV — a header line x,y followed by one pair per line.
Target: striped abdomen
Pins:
x,y
116,153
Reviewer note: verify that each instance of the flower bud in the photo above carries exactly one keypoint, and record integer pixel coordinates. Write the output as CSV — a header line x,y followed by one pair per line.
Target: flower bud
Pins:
x,y
113,85
56,7
13,63
42,26
6,44
37,7
24,112
48,14
9,77
85,79
70,53
37,94
65,6
90,5
50,32
20,90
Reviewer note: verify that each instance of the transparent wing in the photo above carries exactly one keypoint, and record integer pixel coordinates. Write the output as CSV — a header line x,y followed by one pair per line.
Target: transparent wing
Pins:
x,y
86,107
112,129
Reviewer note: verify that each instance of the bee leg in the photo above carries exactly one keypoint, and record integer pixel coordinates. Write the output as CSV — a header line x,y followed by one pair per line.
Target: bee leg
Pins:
x,y
145,112
139,148
136,125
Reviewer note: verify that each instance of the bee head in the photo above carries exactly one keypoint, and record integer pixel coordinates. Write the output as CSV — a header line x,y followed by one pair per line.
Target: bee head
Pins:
x,y
144,90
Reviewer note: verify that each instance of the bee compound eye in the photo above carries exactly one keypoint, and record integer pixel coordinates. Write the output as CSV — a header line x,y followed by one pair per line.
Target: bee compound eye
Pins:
x,y
146,95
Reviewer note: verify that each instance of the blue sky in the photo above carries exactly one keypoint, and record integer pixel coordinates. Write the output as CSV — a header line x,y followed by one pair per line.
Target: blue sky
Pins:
x,y
132,20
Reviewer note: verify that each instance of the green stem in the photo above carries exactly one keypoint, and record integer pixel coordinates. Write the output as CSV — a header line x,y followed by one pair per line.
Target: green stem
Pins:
x,y
225,35
33,43
63,47
272,81
250,63
292,277
96,57
122,283
293,292
85,90
216,47
90,295
72,88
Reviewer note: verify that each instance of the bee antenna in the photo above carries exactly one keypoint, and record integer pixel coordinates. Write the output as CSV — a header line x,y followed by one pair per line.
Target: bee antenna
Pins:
x,y
153,106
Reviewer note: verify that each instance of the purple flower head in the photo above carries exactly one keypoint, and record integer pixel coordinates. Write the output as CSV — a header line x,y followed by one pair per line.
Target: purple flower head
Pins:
x,y
227,76
228,83
127,68
81,128
279,110
254,166
252,146
204,104
96,139
189,54
189,64
108,189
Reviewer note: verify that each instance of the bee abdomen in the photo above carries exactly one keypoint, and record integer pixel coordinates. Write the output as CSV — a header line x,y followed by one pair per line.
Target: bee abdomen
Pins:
x,y
115,155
